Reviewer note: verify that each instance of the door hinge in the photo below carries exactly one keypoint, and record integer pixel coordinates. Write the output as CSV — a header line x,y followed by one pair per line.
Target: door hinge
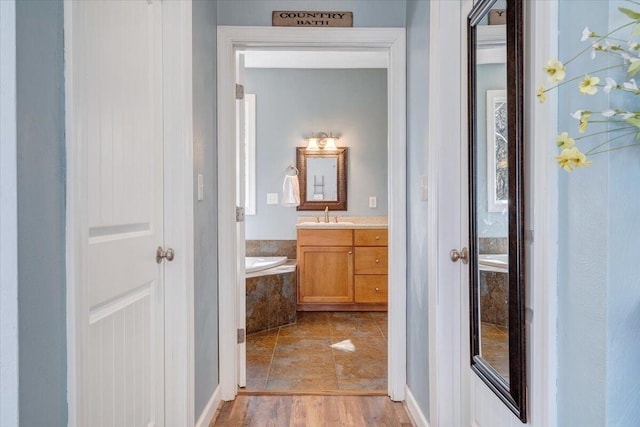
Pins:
x,y
239,91
241,336
239,213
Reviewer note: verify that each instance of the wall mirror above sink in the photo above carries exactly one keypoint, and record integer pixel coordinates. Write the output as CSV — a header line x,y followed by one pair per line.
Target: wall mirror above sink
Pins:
x,y
496,202
323,178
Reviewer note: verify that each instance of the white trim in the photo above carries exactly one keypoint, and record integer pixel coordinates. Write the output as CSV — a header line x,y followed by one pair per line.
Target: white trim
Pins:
x,y
179,376
178,202
391,40
250,156
541,38
9,411
210,409
414,409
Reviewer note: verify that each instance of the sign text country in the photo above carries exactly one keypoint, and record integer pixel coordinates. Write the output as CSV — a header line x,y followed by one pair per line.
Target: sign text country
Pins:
x,y
311,19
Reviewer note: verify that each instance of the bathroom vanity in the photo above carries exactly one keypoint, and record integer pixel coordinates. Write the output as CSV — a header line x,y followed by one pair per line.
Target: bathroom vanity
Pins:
x,y
342,266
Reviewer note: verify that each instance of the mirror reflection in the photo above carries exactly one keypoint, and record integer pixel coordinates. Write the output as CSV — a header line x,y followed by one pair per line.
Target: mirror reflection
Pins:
x,y
322,179
491,177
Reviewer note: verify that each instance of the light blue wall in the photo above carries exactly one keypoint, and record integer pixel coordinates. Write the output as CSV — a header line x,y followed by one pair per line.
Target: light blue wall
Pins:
x,y
417,137
205,218
623,311
290,104
490,77
41,214
599,276
366,13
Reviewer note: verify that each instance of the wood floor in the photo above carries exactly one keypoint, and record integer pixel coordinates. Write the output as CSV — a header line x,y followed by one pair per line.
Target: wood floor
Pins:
x,y
310,410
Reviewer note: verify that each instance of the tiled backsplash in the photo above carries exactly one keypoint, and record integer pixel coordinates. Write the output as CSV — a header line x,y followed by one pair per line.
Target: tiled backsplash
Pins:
x,y
271,248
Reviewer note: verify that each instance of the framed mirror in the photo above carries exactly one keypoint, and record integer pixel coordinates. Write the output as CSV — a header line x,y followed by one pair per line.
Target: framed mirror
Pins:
x,y
496,200
323,179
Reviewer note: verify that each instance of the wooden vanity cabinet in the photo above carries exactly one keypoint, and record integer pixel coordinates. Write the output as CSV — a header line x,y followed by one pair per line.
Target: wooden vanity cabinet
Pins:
x,y
343,269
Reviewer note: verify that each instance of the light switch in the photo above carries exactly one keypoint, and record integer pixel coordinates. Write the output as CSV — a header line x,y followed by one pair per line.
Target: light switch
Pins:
x,y
200,187
373,201
272,198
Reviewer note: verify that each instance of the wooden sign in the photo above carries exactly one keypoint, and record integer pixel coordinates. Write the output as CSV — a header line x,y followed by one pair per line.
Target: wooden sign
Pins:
x,y
311,19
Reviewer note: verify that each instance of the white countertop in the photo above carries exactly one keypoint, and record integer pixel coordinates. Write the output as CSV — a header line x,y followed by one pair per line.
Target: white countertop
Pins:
x,y
344,222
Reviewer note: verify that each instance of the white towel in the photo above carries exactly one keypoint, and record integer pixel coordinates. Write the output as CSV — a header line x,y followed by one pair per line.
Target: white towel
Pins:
x,y
290,191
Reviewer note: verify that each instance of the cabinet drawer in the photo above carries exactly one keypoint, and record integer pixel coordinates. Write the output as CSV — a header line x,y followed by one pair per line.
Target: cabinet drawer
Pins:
x,y
370,237
325,237
371,260
372,288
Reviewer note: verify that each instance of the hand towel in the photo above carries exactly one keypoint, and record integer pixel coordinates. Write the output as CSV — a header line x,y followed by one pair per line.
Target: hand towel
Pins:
x,y
290,191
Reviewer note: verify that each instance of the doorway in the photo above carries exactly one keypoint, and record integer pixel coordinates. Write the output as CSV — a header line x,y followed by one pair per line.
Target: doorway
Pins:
x,y
290,93
392,43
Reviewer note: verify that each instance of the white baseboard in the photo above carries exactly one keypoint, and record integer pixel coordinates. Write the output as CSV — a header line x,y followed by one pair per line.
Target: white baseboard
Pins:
x,y
414,409
210,410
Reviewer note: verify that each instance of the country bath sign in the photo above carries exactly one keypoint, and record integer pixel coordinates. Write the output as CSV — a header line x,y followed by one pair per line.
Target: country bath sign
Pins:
x,y
286,18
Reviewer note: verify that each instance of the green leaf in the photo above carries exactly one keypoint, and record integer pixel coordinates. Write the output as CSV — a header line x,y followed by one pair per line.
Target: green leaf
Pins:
x,y
630,13
634,68
636,31
633,121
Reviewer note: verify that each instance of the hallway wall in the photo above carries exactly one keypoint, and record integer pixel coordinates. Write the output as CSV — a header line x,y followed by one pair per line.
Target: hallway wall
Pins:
x,y
417,136
41,213
599,276
205,222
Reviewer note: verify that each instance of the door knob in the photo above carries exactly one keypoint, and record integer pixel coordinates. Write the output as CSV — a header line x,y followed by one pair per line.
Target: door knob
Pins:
x,y
162,254
462,255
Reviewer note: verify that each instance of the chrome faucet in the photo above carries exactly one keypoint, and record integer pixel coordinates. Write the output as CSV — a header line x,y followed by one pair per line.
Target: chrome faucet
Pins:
x,y
326,214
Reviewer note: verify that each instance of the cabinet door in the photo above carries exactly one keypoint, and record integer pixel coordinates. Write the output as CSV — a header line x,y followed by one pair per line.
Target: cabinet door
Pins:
x,y
326,274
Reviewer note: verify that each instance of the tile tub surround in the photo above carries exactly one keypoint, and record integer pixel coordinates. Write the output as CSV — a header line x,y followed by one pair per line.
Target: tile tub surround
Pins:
x,y
493,245
494,295
271,299
300,357
271,248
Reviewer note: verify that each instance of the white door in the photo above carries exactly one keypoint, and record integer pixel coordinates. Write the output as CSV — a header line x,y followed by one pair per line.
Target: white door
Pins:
x,y
241,299
118,93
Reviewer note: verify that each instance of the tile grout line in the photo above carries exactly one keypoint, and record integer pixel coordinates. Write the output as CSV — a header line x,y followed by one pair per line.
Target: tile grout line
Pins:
x,y
273,355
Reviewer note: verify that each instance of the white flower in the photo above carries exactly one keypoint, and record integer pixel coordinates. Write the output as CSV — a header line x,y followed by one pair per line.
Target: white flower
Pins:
x,y
626,116
630,85
595,47
610,84
577,115
586,33
632,44
608,113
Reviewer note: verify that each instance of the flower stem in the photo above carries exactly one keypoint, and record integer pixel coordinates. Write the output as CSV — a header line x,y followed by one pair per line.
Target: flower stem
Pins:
x,y
580,77
604,131
599,40
614,149
593,150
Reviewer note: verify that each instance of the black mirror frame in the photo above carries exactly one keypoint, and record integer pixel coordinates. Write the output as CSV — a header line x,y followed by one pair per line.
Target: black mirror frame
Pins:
x,y
301,163
514,393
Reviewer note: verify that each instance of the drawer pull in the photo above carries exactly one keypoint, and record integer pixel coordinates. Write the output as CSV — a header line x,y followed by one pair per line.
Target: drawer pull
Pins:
x,y
377,261
377,289
350,252
377,237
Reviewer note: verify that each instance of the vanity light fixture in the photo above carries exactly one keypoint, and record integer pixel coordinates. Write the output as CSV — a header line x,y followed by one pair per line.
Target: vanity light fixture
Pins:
x,y
321,141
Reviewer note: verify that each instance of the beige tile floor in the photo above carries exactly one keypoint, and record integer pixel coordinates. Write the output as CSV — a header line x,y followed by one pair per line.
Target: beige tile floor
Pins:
x,y
300,357
495,347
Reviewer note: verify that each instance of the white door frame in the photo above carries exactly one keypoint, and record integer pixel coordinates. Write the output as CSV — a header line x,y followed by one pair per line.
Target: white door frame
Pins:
x,y
448,391
8,218
178,232
391,40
